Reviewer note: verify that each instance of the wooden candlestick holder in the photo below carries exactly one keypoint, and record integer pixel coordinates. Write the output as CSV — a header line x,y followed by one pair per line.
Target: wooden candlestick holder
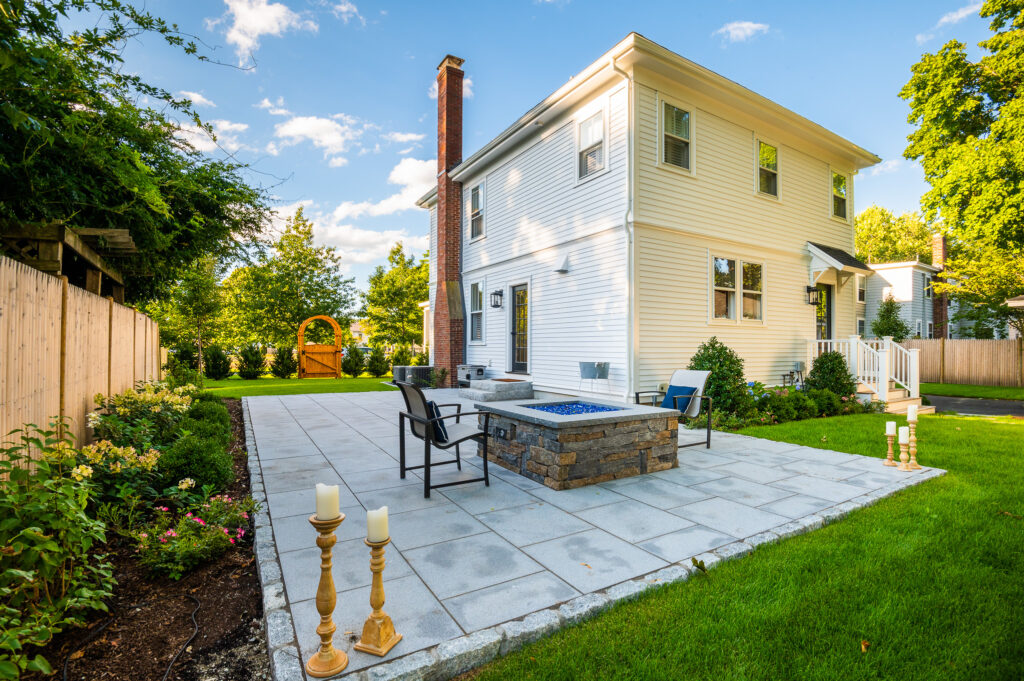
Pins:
x,y
904,458
328,661
888,455
378,631
914,466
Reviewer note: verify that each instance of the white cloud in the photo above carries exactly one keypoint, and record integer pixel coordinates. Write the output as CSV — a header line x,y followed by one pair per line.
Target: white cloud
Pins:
x,y
275,108
252,19
361,246
197,99
338,162
948,19
739,31
346,11
330,135
467,89
407,150
225,131
404,137
886,167
415,178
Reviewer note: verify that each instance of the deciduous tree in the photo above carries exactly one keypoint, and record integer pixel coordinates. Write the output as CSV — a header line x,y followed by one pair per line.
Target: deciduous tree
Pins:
x,y
884,237
391,304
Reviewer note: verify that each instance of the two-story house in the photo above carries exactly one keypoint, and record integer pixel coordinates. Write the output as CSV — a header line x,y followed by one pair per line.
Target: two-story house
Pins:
x,y
645,206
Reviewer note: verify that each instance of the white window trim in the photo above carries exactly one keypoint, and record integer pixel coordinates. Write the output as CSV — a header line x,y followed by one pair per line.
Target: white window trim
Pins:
x,y
581,117
483,211
849,195
482,283
919,328
931,330
737,307
758,139
660,101
862,285
861,321
926,288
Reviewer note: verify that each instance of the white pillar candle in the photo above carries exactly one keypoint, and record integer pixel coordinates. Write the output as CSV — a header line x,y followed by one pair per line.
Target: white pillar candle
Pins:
x,y
377,524
327,507
912,413
890,427
904,435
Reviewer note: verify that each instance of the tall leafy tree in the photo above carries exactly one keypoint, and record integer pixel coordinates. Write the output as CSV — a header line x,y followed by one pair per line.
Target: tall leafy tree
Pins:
x,y
295,280
884,237
391,304
190,315
78,148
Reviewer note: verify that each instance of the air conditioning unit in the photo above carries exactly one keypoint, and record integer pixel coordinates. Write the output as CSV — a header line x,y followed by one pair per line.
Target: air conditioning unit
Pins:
x,y
398,374
418,375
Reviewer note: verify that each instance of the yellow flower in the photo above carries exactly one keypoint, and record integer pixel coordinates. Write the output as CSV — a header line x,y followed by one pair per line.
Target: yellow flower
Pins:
x,y
187,483
81,472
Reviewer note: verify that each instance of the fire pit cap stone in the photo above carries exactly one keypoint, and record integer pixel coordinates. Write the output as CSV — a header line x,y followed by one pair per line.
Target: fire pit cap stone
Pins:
x,y
520,410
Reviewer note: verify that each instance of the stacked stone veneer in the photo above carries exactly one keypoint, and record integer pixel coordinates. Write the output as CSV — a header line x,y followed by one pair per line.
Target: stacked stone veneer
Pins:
x,y
568,457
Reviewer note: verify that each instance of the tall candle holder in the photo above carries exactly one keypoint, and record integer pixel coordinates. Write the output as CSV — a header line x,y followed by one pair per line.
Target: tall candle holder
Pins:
x,y
914,465
328,661
888,455
378,631
904,458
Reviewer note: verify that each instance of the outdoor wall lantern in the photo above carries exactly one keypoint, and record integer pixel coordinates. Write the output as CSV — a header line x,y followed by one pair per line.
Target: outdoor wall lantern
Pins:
x,y
496,298
813,295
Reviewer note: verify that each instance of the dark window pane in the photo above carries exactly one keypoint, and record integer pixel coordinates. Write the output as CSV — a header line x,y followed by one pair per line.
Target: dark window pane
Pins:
x,y
751,276
723,304
677,152
839,207
591,160
751,305
677,122
768,182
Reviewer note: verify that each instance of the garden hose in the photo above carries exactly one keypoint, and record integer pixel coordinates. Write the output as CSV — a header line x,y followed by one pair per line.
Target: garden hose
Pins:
x,y
195,627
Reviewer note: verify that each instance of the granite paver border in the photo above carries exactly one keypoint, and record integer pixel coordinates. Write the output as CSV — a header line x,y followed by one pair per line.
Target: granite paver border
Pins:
x,y
458,655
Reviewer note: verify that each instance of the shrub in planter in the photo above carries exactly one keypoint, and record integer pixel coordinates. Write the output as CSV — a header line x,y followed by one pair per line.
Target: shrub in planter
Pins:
x,y
201,459
352,363
285,363
216,363
377,363
206,429
827,402
830,372
251,362
725,386
212,411
400,357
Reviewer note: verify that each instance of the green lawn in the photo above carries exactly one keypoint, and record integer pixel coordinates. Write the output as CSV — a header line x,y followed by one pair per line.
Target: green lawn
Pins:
x,y
932,579
236,387
991,392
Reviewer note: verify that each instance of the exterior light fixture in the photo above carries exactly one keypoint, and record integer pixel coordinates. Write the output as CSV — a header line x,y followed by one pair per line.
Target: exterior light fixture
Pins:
x,y
496,298
813,295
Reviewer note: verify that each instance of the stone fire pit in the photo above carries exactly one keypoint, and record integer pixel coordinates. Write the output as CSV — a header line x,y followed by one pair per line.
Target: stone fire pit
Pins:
x,y
571,443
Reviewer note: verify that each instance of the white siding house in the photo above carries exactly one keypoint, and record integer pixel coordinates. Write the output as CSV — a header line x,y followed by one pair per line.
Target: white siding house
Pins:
x,y
646,206
909,284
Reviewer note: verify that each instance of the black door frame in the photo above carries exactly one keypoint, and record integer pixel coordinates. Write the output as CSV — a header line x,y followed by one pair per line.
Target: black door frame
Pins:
x,y
520,367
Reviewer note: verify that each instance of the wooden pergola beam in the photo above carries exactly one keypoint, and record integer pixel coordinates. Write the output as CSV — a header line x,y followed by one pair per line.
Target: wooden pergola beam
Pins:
x,y
60,234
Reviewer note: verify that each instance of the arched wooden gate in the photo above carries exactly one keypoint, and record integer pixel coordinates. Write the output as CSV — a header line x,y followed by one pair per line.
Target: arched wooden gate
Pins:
x,y
318,360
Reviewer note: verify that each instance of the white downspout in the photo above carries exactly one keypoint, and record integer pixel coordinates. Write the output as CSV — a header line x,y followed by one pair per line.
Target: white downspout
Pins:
x,y
627,223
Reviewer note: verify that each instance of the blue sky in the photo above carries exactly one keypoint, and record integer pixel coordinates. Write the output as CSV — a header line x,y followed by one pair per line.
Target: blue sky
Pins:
x,y
333,108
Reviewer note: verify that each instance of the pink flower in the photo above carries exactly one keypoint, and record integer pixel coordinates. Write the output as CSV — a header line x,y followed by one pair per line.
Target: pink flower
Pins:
x,y
231,540
143,535
162,508
241,533
170,533
189,514
245,515
162,540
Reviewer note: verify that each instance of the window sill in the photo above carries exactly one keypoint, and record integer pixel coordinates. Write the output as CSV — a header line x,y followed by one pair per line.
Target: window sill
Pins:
x,y
845,221
583,180
770,197
474,239
684,172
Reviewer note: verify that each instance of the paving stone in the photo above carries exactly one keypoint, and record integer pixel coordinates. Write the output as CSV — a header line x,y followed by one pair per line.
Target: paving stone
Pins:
x,y
736,549
286,665
413,667
628,590
534,523
531,628
709,558
661,493
796,506
270,571
273,597
811,522
762,538
680,545
593,559
462,654
743,491
574,500
280,631
462,565
673,573
633,521
730,517
433,525
261,518
818,487
508,600
478,498
584,607
753,471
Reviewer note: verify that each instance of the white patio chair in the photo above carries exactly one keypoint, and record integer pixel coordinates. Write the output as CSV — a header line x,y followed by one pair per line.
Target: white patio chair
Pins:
x,y
684,378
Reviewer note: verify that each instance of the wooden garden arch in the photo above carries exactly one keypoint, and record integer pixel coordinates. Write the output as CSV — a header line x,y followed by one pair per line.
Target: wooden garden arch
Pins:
x,y
318,360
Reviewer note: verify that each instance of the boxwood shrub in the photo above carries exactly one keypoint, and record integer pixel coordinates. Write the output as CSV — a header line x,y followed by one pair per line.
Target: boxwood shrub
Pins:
x,y
204,459
211,411
830,372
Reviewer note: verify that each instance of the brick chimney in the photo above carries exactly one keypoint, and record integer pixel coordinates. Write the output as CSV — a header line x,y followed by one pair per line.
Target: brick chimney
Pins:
x,y
940,302
449,317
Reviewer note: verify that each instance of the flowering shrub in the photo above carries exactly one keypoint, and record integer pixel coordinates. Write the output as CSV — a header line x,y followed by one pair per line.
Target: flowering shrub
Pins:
x,y
117,472
172,546
145,416
51,573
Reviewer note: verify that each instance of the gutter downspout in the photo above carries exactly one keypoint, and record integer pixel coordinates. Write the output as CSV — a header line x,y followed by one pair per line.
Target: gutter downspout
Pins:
x,y
627,223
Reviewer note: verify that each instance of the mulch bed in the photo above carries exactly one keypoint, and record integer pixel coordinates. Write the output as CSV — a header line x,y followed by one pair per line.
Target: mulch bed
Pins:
x,y
151,618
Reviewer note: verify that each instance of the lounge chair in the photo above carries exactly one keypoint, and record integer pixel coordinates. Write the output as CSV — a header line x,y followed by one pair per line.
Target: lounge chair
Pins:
x,y
680,396
427,424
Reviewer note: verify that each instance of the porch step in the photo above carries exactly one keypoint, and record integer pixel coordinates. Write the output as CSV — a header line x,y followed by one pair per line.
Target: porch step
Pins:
x,y
900,406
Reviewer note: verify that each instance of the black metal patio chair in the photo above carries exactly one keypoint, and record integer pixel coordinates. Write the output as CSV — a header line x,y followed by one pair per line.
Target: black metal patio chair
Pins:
x,y
426,423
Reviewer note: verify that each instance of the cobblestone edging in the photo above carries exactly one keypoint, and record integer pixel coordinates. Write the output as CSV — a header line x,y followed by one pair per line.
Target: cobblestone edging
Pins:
x,y
459,655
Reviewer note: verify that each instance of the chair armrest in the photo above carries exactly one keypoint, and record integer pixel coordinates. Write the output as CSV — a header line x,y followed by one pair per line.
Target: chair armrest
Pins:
x,y
638,393
458,409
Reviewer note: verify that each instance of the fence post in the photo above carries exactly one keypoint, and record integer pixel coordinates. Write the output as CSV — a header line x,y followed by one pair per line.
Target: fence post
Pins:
x,y
854,357
883,368
1020,361
942,360
110,344
63,351
915,372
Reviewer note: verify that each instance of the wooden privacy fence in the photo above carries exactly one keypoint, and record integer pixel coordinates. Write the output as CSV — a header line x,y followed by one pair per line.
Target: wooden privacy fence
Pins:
x,y
970,361
60,345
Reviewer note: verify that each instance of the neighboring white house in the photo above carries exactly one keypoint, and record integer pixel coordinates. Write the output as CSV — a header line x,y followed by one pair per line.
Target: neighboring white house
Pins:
x,y
642,208
910,285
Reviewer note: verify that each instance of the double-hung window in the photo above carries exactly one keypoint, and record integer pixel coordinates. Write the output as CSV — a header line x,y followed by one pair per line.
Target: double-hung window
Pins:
x,y
839,192
476,211
476,312
767,169
675,125
862,327
862,291
736,280
926,285
591,145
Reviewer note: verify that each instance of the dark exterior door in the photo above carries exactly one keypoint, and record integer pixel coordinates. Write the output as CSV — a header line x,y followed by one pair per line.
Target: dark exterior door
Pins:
x,y
520,329
823,314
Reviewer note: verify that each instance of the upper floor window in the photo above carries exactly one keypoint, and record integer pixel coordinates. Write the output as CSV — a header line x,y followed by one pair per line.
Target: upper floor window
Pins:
x,y
926,285
591,145
476,312
839,195
476,211
675,124
862,292
727,287
767,169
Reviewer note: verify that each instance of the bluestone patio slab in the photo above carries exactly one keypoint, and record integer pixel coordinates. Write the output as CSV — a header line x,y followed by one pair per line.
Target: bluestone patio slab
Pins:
x,y
381,478
879,478
633,521
433,525
820,470
688,476
744,491
573,500
796,506
533,523
593,559
296,502
401,499
454,567
819,487
660,493
754,472
694,458
685,543
366,458
730,517
508,600
478,498
290,480
350,568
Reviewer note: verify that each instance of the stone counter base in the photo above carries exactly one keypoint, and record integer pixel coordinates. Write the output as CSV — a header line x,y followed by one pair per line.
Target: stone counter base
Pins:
x,y
566,458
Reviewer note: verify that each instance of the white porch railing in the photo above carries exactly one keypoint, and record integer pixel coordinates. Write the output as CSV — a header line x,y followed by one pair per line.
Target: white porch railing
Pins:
x,y
874,363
